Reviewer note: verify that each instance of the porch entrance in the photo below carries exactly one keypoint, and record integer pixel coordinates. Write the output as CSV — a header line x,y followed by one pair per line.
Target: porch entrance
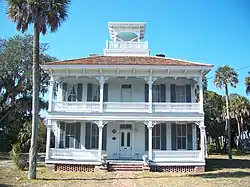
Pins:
x,y
125,141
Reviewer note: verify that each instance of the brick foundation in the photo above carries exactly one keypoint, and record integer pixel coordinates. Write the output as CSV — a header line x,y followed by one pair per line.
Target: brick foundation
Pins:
x,y
174,169
75,167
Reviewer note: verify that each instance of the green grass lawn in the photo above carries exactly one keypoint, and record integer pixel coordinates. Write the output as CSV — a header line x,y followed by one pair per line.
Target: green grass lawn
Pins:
x,y
221,172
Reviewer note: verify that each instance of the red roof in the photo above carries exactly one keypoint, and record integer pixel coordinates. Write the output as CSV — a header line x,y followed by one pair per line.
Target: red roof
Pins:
x,y
127,60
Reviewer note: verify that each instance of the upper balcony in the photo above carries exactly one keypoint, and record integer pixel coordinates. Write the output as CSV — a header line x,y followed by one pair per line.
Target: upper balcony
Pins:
x,y
129,48
126,95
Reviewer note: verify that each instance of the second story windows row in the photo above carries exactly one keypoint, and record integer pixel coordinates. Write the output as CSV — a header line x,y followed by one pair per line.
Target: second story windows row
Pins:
x,y
161,93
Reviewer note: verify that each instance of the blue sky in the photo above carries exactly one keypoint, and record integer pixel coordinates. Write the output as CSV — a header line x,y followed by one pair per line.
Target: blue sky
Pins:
x,y
214,32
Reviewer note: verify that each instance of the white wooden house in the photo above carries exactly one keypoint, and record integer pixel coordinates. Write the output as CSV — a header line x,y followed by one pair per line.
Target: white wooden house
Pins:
x,y
126,104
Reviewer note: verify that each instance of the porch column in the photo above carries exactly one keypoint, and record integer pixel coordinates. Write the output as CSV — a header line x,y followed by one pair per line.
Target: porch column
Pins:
x,y
59,92
150,140
48,139
150,94
202,140
57,134
101,81
100,126
201,93
51,85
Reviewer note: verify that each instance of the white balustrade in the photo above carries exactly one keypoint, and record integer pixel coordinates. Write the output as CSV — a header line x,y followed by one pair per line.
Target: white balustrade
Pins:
x,y
127,45
185,155
75,154
124,107
176,107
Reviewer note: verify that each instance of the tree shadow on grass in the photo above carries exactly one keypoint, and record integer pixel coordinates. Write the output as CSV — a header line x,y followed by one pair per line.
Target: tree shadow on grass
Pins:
x,y
236,174
5,185
218,164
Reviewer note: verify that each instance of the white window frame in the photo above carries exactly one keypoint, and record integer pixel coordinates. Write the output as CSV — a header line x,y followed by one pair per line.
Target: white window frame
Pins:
x,y
156,92
183,94
71,86
181,136
155,136
129,86
62,136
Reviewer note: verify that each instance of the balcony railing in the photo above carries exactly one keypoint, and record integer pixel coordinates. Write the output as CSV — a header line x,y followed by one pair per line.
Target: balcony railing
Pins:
x,y
125,107
126,45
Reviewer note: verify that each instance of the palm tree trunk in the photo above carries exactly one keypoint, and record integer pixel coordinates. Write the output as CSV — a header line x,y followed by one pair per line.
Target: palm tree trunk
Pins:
x,y
35,103
228,124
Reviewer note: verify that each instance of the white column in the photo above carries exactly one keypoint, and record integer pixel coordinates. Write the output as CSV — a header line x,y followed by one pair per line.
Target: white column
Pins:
x,y
51,85
201,93
150,94
100,125
150,140
202,140
57,135
101,81
48,139
59,92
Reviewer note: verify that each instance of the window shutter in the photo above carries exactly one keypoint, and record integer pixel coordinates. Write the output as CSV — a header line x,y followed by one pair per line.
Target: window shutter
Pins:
x,y
163,93
163,136
173,94
78,135
62,129
189,136
146,93
79,92
87,135
104,138
105,93
67,126
188,93
64,88
146,138
89,92
173,136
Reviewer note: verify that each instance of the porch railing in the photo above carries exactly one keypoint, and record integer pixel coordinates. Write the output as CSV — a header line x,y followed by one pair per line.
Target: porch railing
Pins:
x,y
161,156
176,107
124,107
126,45
74,154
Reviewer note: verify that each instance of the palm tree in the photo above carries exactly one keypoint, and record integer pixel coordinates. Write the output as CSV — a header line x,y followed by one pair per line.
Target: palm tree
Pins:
x,y
42,15
223,76
247,81
240,110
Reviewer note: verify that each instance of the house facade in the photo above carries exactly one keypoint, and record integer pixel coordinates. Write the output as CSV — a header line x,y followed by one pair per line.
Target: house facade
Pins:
x,y
127,105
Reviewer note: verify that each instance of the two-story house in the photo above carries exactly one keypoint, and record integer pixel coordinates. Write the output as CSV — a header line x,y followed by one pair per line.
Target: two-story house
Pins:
x,y
127,105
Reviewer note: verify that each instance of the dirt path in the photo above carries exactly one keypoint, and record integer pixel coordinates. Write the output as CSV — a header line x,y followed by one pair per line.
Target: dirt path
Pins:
x,y
124,179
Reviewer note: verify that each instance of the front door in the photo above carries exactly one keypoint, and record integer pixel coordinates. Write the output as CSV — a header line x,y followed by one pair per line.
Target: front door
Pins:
x,y
125,143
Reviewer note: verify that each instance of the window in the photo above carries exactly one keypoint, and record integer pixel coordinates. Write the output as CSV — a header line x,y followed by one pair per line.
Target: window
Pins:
x,y
72,92
157,136
95,92
94,138
156,93
125,126
180,93
181,136
70,135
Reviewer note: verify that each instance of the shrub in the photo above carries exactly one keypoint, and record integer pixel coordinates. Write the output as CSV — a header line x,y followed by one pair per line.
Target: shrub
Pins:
x,y
19,160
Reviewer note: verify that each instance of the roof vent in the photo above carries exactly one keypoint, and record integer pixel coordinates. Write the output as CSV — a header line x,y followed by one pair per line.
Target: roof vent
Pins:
x,y
160,55
92,55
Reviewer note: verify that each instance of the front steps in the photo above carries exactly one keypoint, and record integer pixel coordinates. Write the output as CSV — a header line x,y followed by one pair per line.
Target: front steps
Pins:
x,y
125,167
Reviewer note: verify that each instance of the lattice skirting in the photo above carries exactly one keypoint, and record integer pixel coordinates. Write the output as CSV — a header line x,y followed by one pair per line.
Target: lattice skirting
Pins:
x,y
184,169
75,167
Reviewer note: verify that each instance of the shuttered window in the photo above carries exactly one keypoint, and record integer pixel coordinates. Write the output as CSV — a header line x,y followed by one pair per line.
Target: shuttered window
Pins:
x,y
72,92
70,135
181,136
159,136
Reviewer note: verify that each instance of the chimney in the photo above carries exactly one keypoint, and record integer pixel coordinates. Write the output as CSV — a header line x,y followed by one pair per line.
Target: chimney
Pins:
x,y
160,55
92,55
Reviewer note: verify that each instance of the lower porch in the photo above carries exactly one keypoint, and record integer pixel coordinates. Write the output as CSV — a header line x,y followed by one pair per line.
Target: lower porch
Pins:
x,y
163,143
